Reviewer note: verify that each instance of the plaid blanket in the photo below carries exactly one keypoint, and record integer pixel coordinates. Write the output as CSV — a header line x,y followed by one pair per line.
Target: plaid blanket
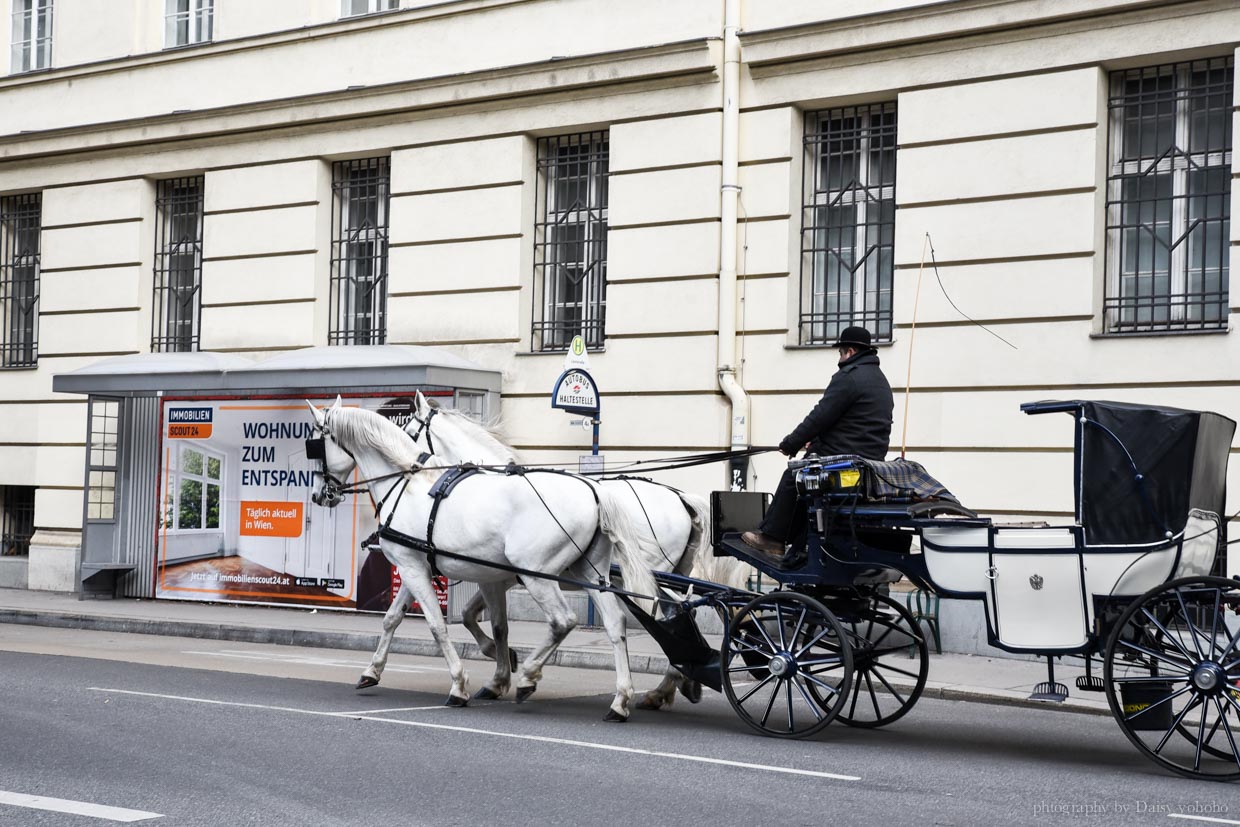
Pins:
x,y
899,479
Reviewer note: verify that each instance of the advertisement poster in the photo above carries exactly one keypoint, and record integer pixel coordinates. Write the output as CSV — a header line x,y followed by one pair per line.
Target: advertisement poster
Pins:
x,y
236,522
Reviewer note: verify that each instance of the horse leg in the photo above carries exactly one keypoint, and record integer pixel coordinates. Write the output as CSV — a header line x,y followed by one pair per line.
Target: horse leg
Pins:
x,y
661,696
395,614
560,621
613,621
469,618
495,596
419,583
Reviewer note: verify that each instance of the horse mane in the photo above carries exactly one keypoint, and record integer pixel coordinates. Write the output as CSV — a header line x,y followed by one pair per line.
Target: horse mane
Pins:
x,y
362,427
488,433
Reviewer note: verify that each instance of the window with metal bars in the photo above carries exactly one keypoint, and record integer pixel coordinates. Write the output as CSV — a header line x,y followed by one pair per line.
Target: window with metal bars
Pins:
x,y
570,241
1169,197
188,21
848,222
353,8
18,504
359,252
177,303
20,226
32,35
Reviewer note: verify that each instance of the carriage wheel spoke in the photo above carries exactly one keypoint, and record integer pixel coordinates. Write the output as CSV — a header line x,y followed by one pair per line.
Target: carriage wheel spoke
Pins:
x,y
820,683
779,624
1201,731
873,696
1185,667
809,701
856,695
834,661
762,629
770,704
1218,599
1179,597
904,672
1172,639
759,685
796,632
788,694
882,637
1175,694
890,688
1174,724
1222,716
818,637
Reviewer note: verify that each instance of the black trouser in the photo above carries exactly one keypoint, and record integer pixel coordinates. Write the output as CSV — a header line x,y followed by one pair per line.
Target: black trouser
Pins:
x,y
785,517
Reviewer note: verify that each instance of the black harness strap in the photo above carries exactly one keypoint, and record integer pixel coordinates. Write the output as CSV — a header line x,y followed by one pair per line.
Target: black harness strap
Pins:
x,y
408,541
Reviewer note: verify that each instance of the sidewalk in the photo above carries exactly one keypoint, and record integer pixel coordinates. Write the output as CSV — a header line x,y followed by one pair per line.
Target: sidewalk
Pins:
x,y
993,680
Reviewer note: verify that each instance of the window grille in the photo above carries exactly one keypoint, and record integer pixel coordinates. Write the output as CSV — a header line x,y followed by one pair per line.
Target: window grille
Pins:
x,y
18,503
359,252
177,304
101,463
32,35
848,222
188,21
570,241
20,226
1169,197
353,8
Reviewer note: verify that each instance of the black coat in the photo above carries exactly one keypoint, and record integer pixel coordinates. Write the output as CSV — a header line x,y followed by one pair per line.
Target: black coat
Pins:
x,y
853,416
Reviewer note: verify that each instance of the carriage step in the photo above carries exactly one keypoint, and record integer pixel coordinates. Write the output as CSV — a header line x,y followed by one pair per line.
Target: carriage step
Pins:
x,y
1089,683
1050,691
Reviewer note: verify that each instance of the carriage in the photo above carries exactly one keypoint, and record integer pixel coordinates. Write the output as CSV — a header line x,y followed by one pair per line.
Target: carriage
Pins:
x,y
1133,581
1129,582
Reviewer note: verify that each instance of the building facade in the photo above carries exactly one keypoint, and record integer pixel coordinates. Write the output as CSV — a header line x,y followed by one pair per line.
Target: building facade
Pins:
x,y
706,190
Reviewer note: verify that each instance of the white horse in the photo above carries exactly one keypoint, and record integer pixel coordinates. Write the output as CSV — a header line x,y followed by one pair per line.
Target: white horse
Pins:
x,y
672,526
549,526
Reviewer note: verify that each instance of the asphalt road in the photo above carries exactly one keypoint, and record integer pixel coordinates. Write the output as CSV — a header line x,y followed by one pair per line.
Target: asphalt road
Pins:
x,y
217,733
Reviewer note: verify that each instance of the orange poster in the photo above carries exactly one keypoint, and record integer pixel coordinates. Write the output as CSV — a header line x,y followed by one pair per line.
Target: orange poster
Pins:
x,y
261,518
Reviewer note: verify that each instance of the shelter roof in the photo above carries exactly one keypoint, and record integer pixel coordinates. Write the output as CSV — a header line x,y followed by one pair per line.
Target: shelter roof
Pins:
x,y
363,367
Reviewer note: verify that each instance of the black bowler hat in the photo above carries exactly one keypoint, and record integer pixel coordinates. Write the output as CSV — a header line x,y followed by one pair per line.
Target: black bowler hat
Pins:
x,y
855,337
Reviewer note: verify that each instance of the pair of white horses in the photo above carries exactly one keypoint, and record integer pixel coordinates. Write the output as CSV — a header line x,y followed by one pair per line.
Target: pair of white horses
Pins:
x,y
549,523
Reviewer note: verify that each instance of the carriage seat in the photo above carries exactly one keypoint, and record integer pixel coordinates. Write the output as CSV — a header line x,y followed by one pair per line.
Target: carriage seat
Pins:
x,y
917,510
864,487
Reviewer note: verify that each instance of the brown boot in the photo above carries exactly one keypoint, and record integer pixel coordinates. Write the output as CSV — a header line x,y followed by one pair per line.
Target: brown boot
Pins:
x,y
763,543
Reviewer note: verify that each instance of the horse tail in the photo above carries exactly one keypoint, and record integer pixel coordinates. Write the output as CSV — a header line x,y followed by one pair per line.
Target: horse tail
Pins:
x,y
616,522
699,533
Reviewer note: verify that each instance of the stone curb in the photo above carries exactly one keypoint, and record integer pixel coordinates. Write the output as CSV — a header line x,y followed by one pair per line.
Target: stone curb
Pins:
x,y
356,641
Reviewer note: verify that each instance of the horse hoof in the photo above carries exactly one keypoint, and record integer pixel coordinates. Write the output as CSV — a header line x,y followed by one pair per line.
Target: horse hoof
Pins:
x,y
649,701
365,682
453,700
524,692
486,693
692,690
614,717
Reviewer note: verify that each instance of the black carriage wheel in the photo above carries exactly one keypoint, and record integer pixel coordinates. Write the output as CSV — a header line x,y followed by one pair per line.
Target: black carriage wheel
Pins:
x,y
890,660
1172,675
800,644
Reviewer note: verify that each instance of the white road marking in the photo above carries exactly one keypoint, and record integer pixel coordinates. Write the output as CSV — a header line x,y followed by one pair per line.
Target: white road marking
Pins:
x,y
80,808
393,709
308,660
701,759
1202,818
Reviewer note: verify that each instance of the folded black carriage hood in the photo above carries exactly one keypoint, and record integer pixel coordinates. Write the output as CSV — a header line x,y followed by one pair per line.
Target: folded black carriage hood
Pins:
x,y
1139,469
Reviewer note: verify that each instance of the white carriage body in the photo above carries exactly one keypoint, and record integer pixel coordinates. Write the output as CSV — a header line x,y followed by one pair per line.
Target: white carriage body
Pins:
x,y
1040,584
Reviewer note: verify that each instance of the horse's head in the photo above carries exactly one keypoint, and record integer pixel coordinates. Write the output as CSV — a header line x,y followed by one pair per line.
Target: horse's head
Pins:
x,y
336,462
453,436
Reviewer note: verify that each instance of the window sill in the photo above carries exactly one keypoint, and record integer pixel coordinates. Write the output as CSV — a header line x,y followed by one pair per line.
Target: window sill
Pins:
x,y
1145,334
560,353
35,366
828,346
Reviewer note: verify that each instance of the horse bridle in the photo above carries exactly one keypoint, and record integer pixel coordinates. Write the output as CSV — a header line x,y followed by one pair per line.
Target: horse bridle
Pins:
x,y
334,489
425,425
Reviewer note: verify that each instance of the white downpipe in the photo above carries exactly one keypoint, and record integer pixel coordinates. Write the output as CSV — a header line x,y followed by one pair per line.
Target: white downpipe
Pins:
x,y
729,193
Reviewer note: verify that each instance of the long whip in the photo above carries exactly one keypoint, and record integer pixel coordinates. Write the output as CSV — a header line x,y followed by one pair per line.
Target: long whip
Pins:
x,y
908,379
